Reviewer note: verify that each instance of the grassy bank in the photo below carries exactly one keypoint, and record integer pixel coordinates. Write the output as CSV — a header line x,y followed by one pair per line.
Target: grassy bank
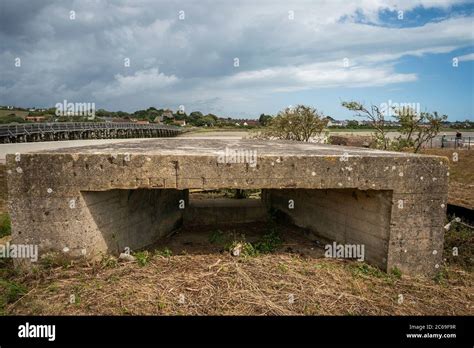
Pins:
x,y
274,282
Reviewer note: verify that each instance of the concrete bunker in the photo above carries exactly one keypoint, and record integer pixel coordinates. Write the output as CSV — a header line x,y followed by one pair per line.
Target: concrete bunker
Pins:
x,y
393,203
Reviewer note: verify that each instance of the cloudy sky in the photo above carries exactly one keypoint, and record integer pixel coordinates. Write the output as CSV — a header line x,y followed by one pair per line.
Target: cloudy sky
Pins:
x,y
238,58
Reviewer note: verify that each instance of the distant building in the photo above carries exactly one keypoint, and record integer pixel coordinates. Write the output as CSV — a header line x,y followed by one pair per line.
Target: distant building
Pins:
x,y
335,123
250,122
35,118
331,121
181,123
168,114
142,121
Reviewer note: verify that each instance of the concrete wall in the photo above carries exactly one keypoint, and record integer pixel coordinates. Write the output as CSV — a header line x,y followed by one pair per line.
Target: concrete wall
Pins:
x,y
133,218
347,216
224,211
96,222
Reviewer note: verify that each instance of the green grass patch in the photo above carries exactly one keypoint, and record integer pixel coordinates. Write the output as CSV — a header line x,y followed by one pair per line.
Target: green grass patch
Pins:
x,y
55,259
362,269
10,292
142,257
217,237
270,241
164,252
395,271
5,225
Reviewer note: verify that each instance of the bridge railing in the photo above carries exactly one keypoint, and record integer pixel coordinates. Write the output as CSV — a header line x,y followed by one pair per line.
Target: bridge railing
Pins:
x,y
13,130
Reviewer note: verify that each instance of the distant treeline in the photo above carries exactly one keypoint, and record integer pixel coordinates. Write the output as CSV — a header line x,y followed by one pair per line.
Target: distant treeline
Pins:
x,y
166,116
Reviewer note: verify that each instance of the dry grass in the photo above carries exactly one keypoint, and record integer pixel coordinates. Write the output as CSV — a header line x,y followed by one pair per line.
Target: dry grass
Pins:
x,y
461,175
220,284
18,113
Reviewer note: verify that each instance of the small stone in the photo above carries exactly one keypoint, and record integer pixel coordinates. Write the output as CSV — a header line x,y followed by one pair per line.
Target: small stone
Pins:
x,y
126,257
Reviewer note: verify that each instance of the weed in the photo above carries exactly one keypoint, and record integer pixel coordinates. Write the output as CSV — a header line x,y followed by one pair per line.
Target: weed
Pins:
x,y
363,269
165,252
440,276
10,292
55,259
246,249
458,246
269,242
109,261
142,257
217,237
396,272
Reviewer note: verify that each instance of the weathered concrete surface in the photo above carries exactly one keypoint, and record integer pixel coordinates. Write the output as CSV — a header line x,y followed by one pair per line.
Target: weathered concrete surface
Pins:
x,y
347,216
129,218
224,211
49,204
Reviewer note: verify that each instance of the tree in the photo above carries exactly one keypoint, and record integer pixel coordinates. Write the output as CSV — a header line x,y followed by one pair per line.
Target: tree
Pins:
x,y
352,124
376,118
416,128
300,123
195,115
264,120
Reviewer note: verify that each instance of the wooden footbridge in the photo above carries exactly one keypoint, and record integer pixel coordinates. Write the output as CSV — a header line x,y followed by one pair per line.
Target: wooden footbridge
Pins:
x,y
32,132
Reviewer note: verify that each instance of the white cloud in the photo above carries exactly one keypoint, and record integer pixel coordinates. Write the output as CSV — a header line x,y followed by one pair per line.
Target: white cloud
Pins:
x,y
319,75
191,61
466,57
142,81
